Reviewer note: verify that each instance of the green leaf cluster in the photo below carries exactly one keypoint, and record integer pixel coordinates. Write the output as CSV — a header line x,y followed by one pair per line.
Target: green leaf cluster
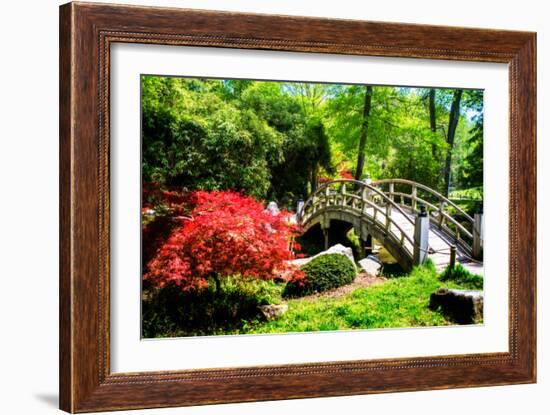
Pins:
x,y
321,274
462,276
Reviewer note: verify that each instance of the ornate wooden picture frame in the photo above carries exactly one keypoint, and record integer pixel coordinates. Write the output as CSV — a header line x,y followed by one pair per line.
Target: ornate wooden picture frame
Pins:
x,y
87,32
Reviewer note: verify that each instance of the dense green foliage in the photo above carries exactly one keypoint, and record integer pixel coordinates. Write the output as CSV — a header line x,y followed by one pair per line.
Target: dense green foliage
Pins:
x,y
322,274
171,312
462,276
194,137
276,140
470,170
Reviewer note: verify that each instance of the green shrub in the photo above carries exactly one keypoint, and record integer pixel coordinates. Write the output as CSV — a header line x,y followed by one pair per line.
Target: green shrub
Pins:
x,y
322,274
171,312
262,292
353,241
462,276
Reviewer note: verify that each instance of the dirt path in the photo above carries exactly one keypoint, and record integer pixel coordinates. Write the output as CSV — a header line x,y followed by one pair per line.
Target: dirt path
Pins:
x,y
363,280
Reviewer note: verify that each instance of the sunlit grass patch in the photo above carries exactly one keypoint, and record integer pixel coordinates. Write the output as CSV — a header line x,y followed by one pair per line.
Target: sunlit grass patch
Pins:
x,y
398,303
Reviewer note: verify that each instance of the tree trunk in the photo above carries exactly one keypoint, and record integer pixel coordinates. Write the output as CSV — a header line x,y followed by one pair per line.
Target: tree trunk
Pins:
x,y
433,125
218,284
454,116
363,134
432,110
314,178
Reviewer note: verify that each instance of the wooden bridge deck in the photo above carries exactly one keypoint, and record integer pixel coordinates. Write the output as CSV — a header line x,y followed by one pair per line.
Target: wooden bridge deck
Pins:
x,y
438,242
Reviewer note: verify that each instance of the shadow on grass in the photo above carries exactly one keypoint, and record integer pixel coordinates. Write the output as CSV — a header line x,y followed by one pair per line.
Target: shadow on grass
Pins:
x,y
393,271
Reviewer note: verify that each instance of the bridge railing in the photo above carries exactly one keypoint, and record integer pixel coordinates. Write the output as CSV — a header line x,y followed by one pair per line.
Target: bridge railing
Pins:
x,y
368,202
446,215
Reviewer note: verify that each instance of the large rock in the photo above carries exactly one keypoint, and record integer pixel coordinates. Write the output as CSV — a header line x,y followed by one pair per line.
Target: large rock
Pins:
x,y
339,249
335,249
371,265
462,306
273,208
273,311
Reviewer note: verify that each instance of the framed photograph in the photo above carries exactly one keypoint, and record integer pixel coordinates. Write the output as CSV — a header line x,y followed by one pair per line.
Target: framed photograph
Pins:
x,y
258,207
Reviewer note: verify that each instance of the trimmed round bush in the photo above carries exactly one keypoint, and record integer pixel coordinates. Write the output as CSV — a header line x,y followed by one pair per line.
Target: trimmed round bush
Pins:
x,y
322,274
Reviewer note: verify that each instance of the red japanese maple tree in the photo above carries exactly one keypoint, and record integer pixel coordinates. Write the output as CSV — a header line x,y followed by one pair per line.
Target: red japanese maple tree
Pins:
x,y
227,234
345,174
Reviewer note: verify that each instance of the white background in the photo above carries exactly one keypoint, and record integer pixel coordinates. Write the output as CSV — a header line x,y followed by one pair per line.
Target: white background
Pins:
x,y
29,229
129,354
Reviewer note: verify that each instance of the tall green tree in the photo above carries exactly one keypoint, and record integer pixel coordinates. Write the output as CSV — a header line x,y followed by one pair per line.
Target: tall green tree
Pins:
x,y
470,172
400,140
454,116
433,118
364,133
292,110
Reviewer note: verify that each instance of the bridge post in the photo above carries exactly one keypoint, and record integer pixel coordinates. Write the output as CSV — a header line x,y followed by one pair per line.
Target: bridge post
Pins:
x,y
325,235
477,247
366,246
325,225
388,216
452,260
421,236
440,214
299,208
343,191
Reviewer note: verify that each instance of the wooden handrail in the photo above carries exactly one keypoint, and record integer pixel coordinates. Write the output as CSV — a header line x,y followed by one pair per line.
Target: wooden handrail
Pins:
x,y
440,211
326,187
363,197
427,189
460,233
323,198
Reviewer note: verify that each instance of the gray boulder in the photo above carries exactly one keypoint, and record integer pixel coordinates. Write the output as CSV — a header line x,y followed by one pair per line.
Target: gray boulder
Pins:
x,y
371,265
461,306
335,249
273,311
339,249
273,208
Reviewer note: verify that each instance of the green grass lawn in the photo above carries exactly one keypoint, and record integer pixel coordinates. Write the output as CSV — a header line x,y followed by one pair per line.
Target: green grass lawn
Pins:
x,y
399,302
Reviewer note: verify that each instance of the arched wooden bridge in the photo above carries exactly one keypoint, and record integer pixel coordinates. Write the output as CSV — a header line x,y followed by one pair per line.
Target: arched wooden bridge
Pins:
x,y
387,210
